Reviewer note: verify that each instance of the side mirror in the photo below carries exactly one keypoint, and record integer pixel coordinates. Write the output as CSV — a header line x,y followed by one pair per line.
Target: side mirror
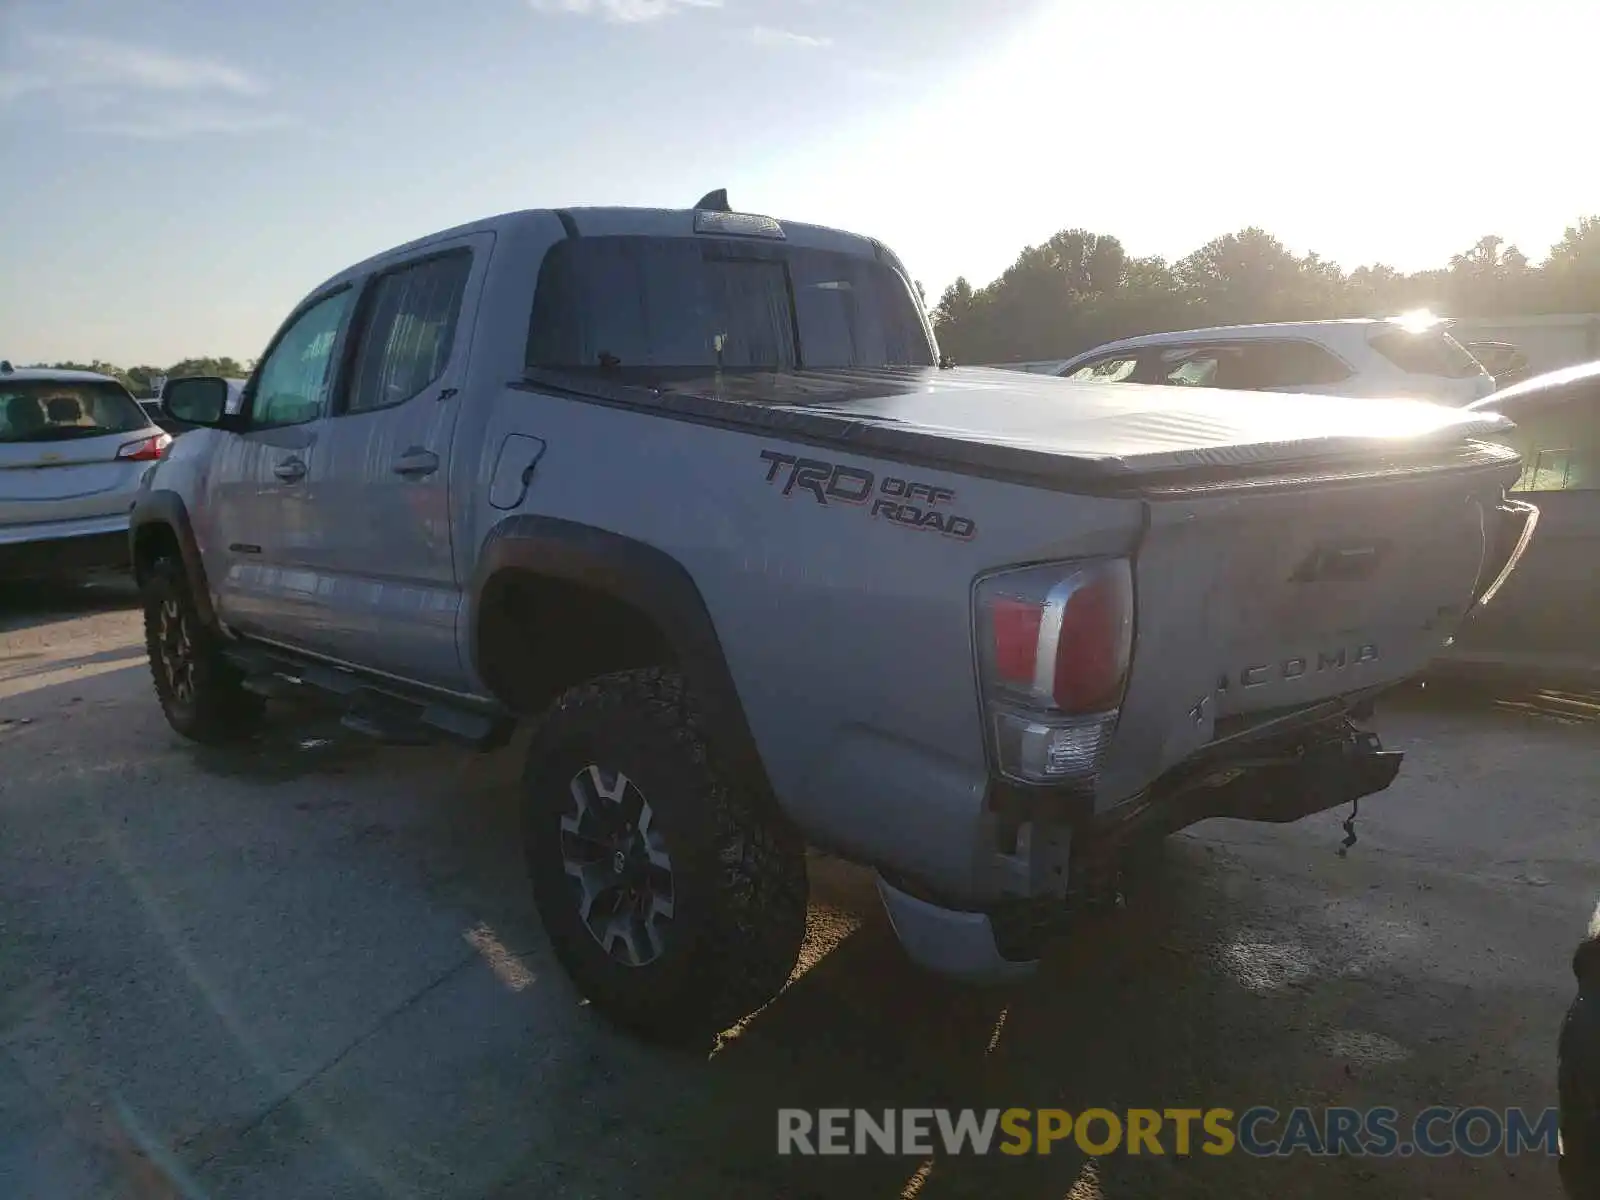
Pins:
x,y
200,400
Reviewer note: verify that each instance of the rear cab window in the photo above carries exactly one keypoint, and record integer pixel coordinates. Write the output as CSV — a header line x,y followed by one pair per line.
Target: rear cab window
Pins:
x,y
624,302
1426,352
39,410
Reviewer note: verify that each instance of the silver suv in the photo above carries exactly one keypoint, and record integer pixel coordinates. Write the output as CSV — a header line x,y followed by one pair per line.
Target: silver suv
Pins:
x,y
1354,357
73,446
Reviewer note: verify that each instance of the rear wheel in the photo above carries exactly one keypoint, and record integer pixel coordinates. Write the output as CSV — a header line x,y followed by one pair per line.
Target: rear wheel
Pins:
x,y
675,898
201,693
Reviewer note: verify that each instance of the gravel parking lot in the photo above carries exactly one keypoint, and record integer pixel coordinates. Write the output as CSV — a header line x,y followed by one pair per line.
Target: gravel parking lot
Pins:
x,y
310,967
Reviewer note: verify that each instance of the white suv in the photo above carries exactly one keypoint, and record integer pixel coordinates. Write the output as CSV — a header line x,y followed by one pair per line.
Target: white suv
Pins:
x,y
73,447
1359,357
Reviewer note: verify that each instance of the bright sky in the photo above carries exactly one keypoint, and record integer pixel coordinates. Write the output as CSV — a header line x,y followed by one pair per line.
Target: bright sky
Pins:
x,y
180,172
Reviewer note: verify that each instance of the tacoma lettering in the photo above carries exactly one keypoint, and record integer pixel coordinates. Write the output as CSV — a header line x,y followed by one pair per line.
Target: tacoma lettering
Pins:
x,y
1299,666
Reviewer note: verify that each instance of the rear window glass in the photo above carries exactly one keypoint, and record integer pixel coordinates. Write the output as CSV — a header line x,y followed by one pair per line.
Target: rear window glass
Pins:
x,y
44,411
1432,352
617,302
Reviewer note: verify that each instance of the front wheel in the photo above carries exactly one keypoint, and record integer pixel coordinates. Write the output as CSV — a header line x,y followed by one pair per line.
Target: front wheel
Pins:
x,y
674,897
201,693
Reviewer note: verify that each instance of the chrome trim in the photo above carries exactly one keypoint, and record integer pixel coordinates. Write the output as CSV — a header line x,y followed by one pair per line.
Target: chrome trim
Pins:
x,y
1516,554
1054,610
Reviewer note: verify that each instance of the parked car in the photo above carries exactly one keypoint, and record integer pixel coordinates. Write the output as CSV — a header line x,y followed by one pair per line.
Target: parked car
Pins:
x,y
152,409
693,486
1035,366
1546,620
73,446
1358,357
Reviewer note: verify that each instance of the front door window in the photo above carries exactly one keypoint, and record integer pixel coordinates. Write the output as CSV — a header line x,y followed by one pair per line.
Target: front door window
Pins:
x,y
292,385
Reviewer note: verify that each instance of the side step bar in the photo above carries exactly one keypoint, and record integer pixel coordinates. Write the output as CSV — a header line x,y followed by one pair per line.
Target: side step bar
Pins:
x,y
377,708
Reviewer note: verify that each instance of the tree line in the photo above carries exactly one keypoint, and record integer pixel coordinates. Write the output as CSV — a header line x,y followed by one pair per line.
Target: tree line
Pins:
x,y
1079,289
137,379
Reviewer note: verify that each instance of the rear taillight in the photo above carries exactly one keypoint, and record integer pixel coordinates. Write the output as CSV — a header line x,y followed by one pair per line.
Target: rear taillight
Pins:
x,y
1054,644
146,449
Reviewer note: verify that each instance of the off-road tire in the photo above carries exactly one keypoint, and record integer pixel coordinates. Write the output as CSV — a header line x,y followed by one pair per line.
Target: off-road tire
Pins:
x,y
210,705
737,867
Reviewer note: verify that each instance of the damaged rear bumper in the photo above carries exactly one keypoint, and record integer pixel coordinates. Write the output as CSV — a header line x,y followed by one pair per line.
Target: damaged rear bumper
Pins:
x,y
1278,788
1278,778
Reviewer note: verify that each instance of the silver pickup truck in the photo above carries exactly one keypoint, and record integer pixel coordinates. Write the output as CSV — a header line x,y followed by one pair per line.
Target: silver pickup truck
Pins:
x,y
694,491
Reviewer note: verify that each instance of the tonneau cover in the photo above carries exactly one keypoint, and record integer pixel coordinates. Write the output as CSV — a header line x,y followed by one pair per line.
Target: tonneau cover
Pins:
x,y
1058,431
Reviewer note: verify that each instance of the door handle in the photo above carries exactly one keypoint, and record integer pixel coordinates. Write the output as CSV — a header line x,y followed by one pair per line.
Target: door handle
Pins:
x,y
416,462
290,470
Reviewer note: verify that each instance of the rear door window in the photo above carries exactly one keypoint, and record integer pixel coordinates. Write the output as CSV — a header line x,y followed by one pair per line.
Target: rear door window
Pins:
x,y
409,331
1192,366
1285,364
44,411
721,304
1427,352
1112,368
1254,364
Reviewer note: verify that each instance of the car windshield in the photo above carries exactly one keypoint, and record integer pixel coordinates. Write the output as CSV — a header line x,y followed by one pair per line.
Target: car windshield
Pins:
x,y
720,304
57,411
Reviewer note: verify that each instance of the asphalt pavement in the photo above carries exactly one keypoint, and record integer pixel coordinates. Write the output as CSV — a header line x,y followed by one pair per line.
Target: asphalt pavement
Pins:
x,y
309,967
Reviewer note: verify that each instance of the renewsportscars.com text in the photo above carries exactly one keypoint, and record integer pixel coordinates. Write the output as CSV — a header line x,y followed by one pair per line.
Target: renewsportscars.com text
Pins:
x,y
1260,1131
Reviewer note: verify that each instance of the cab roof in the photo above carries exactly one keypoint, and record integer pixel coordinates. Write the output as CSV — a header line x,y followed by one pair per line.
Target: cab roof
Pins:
x,y
612,221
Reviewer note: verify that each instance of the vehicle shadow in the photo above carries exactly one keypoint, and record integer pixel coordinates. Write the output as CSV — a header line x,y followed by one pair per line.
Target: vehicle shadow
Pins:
x,y
29,604
1211,988
1171,1003
1216,986
119,654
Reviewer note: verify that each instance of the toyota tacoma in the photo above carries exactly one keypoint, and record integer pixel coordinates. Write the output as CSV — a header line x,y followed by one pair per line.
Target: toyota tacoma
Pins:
x,y
694,492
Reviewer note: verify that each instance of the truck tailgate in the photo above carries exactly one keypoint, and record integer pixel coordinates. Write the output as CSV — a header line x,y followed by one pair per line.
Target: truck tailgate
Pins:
x,y
1259,600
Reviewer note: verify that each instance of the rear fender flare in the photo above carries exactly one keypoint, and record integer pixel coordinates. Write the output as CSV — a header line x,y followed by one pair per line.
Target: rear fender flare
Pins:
x,y
646,579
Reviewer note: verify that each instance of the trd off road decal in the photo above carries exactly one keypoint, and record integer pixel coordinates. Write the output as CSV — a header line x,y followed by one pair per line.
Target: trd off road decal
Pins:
x,y
906,502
